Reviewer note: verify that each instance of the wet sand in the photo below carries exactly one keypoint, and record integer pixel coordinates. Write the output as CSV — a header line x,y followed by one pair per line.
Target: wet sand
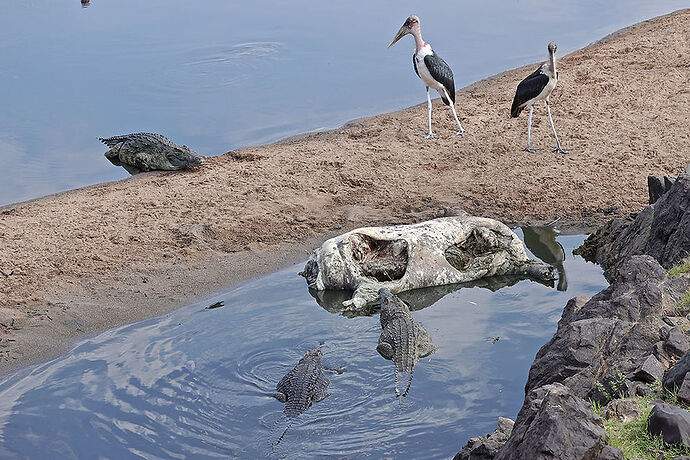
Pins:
x,y
86,260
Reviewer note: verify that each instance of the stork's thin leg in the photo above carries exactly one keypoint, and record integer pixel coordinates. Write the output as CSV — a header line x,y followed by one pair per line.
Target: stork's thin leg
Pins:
x,y
428,99
529,130
452,107
558,144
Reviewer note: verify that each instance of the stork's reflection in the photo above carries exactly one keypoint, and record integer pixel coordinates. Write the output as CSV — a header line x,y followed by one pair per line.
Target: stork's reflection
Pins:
x,y
542,242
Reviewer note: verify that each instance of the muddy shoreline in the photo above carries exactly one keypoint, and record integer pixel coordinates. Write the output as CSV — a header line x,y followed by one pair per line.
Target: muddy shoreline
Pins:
x,y
86,260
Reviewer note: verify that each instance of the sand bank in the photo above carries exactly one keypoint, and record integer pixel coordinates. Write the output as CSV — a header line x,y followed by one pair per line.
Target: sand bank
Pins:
x,y
86,260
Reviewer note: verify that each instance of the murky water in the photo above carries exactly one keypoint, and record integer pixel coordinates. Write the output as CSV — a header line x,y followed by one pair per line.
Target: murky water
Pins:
x,y
196,383
219,74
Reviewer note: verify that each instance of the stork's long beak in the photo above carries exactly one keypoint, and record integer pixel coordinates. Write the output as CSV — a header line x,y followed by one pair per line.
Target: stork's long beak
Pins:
x,y
404,30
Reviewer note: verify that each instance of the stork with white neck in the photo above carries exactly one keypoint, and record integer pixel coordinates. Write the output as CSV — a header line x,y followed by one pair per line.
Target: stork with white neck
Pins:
x,y
433,70
537,87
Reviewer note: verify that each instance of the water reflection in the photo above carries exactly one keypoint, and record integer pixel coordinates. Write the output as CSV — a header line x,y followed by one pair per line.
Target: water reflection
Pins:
x,y
541,241
196,382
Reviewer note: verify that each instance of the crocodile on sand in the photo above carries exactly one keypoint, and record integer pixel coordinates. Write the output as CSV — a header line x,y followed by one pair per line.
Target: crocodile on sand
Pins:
x,y
140,152
403,340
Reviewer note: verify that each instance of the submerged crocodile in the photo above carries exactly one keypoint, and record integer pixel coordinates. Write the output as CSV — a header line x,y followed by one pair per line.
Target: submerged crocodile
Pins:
x,y
403,340
305,384
141,152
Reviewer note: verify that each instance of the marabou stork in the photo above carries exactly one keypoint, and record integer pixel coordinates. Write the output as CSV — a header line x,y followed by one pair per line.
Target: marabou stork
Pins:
x,y
537,87
433,70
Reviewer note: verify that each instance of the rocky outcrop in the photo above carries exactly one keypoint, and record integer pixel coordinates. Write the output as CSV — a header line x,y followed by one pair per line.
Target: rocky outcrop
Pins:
x,y
555,424
486,448
661,230
608,346
612,336
442,251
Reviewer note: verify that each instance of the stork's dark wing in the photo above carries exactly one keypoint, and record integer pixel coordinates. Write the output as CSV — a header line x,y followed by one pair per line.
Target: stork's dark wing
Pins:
x,y
414,63
442,73
528,88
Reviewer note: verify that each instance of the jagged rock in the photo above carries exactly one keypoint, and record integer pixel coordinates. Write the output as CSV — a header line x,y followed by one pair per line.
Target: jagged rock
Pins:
x,y
554,423
623,410
676,321
684,391
402,257
677,342
610,453
649,370
631,388
486,448
660,353
656,187
606,336
671,422
675,376
661,230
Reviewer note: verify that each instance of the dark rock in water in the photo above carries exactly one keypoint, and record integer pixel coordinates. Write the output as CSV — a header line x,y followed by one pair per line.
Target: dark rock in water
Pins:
x,y
486,448
675,376
604,339
684,391
656,187
649,370
677,342
554,423
661,230
623,410
610,453
140,152
670,422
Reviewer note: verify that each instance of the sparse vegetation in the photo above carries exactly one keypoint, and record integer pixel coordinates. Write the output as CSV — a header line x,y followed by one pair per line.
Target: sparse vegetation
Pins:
x,y
683,305
632,438
683,267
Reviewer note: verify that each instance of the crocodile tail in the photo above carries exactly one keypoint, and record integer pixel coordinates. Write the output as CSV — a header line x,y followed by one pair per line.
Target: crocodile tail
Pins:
x,y
284,433
409,383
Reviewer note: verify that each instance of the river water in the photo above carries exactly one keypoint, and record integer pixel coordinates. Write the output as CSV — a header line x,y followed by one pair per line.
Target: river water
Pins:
x,y
196,383
218,74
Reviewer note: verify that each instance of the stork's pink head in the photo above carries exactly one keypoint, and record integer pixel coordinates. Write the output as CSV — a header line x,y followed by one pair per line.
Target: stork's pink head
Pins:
x,y
410,26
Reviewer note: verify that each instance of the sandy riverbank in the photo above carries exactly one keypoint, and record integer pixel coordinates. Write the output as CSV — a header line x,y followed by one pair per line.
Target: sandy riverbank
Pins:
x,y
86,260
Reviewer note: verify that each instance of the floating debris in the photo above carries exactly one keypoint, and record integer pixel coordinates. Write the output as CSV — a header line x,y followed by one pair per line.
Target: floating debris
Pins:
x,y
215,305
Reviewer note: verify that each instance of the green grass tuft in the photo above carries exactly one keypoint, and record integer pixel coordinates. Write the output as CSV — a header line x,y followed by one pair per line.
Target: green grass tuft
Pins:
x,y
683,267
633,439
684,303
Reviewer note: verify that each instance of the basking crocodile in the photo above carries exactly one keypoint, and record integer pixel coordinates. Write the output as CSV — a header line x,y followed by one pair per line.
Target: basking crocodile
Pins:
x,y
141,152
402,340
305,384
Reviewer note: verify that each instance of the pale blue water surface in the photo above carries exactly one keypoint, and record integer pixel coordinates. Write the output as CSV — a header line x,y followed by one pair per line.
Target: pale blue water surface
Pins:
x,y
196,382
221,74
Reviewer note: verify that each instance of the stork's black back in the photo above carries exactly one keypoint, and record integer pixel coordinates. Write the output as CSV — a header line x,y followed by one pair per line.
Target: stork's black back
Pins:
x,y
528,88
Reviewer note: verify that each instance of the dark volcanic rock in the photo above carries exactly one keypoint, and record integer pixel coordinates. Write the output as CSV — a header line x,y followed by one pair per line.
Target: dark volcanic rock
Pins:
x,y
554,423
671,422
675,376
661,230
650,370
486,448
684,391
677,342
656,187
605,338
610,453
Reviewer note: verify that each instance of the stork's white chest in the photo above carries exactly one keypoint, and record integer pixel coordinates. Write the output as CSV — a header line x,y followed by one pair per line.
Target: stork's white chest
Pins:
x,y
548,89
424,73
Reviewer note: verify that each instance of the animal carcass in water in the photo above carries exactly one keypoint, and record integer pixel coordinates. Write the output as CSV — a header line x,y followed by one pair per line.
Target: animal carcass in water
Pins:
x,y
442,251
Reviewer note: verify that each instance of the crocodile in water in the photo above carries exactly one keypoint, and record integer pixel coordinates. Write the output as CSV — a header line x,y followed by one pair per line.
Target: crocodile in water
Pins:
x,y
402,340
